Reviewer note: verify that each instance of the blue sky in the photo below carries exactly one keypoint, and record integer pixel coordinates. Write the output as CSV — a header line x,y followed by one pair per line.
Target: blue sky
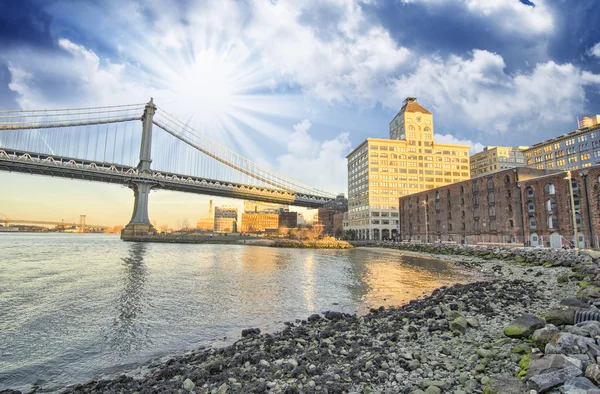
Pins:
x,y
295,85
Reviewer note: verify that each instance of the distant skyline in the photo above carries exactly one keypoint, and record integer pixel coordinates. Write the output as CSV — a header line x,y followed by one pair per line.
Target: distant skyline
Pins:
x,y
295,85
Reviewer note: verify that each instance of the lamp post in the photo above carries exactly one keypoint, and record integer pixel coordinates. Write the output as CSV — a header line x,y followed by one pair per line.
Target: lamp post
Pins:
x,y
425,209
573,215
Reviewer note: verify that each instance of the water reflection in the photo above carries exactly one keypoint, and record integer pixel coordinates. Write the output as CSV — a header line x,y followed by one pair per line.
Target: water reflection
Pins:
x,y
128,332
393,279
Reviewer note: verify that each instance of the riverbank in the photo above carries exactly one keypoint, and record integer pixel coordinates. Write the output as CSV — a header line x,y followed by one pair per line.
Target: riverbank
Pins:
x,y
450,341
236,239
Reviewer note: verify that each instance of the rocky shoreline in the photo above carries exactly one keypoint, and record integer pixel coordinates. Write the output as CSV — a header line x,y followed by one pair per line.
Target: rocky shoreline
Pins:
x,y
461,339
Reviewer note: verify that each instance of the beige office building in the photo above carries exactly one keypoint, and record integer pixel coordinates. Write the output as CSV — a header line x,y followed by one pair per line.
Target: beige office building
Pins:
x,y
497,158
410,161
226,219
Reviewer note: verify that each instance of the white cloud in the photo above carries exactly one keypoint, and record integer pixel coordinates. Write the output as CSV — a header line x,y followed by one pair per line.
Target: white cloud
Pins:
x,y
450,139
595,50
477,93
510,15
319,164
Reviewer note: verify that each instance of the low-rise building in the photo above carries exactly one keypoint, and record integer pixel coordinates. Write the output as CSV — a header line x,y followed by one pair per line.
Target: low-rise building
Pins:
x,y
226,219
497,158
288,219
329,210
259,222
520,206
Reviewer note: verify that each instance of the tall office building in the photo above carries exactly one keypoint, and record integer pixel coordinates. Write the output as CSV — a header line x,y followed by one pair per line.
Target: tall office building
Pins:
x,y
382,170
575,150
497,158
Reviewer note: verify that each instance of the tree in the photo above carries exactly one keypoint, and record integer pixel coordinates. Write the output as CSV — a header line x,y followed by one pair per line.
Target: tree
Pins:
x,y
183,224
284,231
163,228
314,231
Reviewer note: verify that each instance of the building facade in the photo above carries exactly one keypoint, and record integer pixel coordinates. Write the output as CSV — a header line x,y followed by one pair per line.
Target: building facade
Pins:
x,y
382,170
288,219
520,206
329,210
259,222
497,158
226,219
576,150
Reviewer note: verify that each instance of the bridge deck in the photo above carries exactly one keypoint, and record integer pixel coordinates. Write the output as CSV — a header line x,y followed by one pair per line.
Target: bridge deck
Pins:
x,y
72,168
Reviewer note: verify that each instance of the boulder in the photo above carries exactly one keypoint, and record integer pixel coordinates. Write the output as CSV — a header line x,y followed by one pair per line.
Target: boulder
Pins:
x,y
551,371
542,336
574,302
523,326
459,325
560,317
592,372
590,328
580,385
588,293
188,385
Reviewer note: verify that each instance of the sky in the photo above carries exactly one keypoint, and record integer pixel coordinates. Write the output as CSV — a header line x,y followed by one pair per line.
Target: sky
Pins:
x,y
294,85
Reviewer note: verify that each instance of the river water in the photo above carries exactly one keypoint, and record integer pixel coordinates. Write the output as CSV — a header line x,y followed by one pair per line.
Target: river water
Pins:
x,y
76,307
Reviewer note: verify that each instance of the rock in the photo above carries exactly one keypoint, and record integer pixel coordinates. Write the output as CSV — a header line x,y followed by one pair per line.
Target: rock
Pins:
x,y
223,388
452,315
574,302
542,336
293,362
551,371
580,385
523,326
433,390
592,372
264,363
188,385
314,317
506,384
560,317
459,325
588,293
250,331
472,322
442,384
563,277
590,328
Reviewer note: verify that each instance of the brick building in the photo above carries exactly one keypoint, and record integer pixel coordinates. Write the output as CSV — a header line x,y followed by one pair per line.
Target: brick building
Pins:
x,y
226,219
522,205
259,222
328,211
288,219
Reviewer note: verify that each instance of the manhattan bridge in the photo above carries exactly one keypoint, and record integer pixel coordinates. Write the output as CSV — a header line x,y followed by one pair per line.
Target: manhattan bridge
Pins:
x,y
107,144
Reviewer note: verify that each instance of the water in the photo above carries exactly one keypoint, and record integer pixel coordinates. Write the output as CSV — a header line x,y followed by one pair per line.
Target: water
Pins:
x,y
75,307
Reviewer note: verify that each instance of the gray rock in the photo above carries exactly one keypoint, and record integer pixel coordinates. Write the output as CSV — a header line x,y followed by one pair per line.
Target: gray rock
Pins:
x,y
544,335
592,372
591,328
551,371
223,388
459,325
560,317
523,326
433,390
188,385
574,302
264,363
580,385
472,322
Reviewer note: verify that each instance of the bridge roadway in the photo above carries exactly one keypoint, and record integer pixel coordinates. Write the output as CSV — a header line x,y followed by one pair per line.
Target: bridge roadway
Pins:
x,y
72,168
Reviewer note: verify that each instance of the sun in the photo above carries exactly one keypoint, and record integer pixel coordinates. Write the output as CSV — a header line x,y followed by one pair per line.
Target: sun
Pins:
x,y
208,87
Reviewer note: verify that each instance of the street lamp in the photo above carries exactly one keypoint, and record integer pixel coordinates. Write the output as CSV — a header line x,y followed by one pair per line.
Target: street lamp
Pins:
x,y
573,215
425,209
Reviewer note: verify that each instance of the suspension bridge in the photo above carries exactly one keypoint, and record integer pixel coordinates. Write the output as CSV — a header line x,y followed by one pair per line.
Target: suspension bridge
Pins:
x,y
106,144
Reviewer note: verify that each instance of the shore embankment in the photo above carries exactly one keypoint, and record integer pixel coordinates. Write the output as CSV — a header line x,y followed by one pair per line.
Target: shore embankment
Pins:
x,y
510,333
237,239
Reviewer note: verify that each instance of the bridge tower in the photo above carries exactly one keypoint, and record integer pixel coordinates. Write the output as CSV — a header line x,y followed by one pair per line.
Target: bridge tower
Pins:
x,y
139,225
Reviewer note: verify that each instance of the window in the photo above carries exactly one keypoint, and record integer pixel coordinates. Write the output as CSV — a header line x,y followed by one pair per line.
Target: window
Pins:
x,y
509,208
578,220
529,192
530,206
551,221
577,201
491,197
490,184
551,205
549,188
492,211
532,222
507,179
511,223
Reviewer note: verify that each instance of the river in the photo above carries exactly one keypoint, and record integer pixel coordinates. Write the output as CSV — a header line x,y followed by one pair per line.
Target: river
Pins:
x,y
76,307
